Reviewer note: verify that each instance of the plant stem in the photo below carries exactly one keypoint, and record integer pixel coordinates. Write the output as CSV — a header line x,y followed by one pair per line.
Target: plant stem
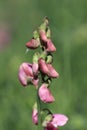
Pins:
x,y
39,105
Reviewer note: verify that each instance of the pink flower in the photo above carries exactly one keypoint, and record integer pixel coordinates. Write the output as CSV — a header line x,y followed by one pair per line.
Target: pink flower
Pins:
x,y
50,46
35,68
35,115
26,75
43,35
45,94
47,69
43,66
57,120
47,42
33,43
52,72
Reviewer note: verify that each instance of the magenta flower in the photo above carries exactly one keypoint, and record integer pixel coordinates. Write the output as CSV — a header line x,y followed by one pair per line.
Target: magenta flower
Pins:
x,y
33,43
57,120
35,114
45,94
26,75
47,69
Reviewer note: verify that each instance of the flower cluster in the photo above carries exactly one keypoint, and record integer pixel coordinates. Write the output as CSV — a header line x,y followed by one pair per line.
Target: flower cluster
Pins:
x,y
40,73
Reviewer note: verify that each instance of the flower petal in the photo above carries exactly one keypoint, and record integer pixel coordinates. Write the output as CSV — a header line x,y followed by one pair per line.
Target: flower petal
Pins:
x,y
59,120
45,94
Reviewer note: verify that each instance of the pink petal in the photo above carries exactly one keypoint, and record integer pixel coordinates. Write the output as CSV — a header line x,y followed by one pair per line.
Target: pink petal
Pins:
x,y
25,73
45,94
27,69
35,68
22,77
43,35
52,72
33,43
50,46
35,82
43,66
59,120
35,116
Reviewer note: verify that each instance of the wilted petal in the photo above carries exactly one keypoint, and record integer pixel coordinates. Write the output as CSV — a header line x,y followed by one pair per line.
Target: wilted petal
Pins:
x,y
45,94
52,72
33,43
50,46
59,120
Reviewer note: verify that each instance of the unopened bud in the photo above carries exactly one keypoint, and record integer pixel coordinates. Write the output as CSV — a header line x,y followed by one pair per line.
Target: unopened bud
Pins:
x,y
49,59
48,34
35,34
47,119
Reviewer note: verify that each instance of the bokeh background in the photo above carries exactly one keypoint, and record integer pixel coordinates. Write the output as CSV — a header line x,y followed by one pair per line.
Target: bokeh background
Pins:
x,y
68,22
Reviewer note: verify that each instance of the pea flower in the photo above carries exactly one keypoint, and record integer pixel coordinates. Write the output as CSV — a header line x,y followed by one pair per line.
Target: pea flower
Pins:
x,y
47,69
57,120
26,75
45,94
50,46
33,43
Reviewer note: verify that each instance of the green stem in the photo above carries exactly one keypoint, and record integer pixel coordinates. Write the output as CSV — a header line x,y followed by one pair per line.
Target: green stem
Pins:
x,y
39,112
39,106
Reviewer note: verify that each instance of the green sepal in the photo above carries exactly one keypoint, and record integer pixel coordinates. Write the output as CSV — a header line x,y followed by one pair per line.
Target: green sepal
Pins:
x,y
49,59
48,33
35,34
36,56
47,120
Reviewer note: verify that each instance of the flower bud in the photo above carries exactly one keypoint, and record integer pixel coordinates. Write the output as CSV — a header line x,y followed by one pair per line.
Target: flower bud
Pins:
x,y
33,43
45,94
48,33
35,66
47,69
47,119
35,34
52,72
49,59
35,114
43,66
43,35
50,46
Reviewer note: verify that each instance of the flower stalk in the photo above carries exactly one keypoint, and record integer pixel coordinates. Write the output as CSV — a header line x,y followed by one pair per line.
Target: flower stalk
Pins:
x,y
40,74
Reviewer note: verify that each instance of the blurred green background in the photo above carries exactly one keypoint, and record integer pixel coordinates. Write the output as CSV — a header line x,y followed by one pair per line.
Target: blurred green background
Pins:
x,y
68,22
